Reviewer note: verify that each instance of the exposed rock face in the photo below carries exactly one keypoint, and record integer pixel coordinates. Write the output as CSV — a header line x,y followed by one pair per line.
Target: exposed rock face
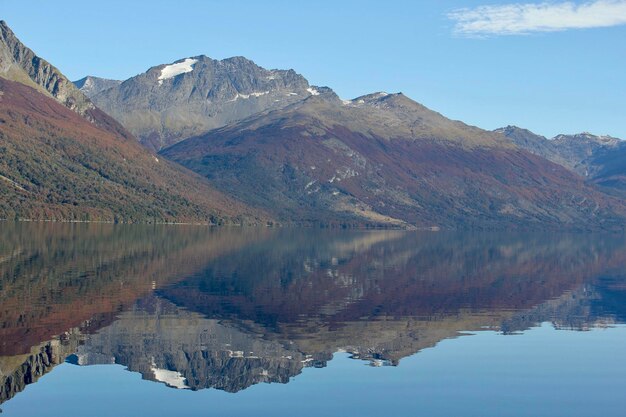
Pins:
x,y
384,158
600,159
169,103
19,63
90,86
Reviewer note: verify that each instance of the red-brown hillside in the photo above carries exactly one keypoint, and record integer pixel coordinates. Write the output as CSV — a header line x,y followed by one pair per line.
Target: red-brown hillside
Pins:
x,y
55,164
386,159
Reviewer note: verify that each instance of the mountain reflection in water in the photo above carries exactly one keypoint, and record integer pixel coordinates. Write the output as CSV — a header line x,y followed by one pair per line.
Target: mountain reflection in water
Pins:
x,y
228,308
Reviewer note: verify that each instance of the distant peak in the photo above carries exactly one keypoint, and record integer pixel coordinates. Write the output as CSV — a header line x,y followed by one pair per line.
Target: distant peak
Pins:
x,y
381,98
238,58
91,85
181,60
92,78
238,61
512,128
324,93
375,96
589,137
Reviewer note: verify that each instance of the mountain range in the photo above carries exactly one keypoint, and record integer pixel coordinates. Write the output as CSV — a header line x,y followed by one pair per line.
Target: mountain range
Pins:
x,y
599,159
266,145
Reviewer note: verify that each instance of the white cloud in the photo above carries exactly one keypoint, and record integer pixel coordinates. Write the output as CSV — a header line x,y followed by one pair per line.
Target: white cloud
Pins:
x,y
519,18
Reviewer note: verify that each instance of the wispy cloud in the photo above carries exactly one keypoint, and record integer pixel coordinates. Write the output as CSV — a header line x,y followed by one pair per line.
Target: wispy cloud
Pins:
x,y
525,18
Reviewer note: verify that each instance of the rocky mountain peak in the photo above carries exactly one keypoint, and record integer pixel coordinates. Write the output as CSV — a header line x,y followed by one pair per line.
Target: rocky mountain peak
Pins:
x,y
325,94
511,130
171,102
589,139
90,86
372,98
394,102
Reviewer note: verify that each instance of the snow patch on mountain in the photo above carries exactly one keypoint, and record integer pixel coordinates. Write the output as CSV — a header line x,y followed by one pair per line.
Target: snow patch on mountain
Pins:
x,y
171,71
247,96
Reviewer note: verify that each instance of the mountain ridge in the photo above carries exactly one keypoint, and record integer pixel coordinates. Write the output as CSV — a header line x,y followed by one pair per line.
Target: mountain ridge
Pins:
x,y
599,159
295,152
170,102
384,157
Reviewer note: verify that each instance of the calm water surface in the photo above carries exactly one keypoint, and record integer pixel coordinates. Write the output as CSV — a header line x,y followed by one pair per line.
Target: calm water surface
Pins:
x,y
102,320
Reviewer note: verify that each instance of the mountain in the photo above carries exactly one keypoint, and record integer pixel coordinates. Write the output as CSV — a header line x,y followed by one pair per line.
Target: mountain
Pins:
x,y
19,63
383,158
600,159
91,86
171,102
62,158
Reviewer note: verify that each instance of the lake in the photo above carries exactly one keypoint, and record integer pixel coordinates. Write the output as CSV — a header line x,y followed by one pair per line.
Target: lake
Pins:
x,y
126,320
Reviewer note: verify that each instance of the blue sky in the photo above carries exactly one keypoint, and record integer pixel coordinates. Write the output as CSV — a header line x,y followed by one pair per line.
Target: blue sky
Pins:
x,y
552,67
